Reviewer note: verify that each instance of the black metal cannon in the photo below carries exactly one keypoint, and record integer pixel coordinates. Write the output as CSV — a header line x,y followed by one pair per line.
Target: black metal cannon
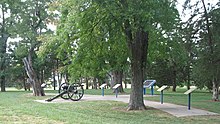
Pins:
x,y
74,92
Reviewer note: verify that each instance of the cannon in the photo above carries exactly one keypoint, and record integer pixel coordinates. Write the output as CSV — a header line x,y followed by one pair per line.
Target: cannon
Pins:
x,y
66,91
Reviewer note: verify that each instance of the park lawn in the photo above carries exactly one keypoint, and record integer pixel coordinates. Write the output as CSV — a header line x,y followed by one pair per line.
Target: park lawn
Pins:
x,y
200,99
20,107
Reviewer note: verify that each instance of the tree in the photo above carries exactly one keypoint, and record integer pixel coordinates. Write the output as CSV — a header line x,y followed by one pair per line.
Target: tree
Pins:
x,y
189,42
32,22
49,55
207,59
93,56
137,28
167,58
17,72
8,9
211,44
135,19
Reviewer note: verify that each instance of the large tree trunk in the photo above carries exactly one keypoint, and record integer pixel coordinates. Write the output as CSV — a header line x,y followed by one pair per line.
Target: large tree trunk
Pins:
x,y
36,85
138,48
117,79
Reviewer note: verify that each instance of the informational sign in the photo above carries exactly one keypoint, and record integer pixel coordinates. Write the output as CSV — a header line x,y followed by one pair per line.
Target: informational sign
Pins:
x,y
103,85
148,83
190,91
162,88
116,86
161,92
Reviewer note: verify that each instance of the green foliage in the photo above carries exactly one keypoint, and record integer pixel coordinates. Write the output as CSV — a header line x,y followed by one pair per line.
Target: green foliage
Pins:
x,y
207,65
25,20
21,51
167,57
95,32
7,12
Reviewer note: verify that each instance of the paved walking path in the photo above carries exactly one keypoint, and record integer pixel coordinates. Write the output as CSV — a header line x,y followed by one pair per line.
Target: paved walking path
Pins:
x,y
175,110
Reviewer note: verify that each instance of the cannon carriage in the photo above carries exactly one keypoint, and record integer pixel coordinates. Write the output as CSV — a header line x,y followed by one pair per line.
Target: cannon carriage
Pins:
x,y
69,91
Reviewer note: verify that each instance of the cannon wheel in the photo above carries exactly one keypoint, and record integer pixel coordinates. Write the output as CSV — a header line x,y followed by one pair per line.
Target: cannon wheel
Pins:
x,y
64,87
75,92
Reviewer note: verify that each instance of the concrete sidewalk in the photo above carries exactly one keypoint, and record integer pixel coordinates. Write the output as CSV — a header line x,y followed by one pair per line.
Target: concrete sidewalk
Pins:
x,y
175,110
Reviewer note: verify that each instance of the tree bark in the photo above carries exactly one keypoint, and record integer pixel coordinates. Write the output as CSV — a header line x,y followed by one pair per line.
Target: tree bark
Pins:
x,y
3,45
3,40
95,83
138,45
174,81
138,48
2,80
36,85
117,79
87,83
215,90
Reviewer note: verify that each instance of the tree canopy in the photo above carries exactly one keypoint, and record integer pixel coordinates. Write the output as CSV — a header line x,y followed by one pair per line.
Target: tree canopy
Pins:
x,y
110,41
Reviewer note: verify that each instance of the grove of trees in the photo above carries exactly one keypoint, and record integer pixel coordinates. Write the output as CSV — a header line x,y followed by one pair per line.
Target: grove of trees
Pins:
x,y
110,41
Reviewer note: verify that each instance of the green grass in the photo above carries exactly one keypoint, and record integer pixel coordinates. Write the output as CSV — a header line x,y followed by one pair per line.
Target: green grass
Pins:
x,y
199,99
20,107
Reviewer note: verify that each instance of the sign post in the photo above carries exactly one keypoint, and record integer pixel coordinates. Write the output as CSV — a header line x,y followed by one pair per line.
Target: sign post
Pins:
x,y
149,84
103,88
116,89
188,92
161,93
144,90
152,89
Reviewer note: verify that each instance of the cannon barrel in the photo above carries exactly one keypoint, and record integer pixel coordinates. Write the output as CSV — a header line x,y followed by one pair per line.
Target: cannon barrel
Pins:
x,y
51,99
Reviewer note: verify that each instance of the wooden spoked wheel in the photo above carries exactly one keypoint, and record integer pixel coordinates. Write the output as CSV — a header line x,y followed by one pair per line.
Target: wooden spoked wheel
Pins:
x,y
75,91
63,88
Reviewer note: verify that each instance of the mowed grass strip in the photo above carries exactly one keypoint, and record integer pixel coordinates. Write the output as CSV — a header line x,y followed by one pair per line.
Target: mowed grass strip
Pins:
x,y
20,107
200,99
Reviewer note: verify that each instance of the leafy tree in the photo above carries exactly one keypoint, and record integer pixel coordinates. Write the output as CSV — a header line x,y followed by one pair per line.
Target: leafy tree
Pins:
x,y
167,58
189,43
8,9
17,72
206,65
90,59
48,54
135,19
32,22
